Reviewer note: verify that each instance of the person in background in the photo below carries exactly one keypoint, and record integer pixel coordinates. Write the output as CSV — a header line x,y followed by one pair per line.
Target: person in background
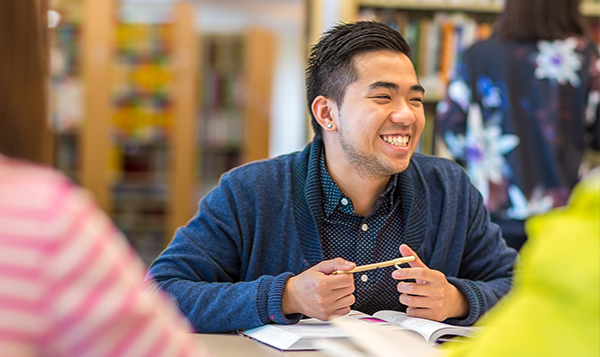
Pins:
x,y
264,244
554,307
70,283
522,108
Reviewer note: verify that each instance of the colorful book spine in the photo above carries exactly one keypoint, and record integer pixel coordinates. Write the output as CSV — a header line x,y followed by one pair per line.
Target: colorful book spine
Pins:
x,y
437,38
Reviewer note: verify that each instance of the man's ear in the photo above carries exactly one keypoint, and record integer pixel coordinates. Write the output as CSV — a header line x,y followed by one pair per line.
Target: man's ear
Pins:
x,y
323,109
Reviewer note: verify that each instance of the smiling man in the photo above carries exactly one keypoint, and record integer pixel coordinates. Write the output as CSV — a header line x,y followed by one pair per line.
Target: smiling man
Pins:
x,y
265,242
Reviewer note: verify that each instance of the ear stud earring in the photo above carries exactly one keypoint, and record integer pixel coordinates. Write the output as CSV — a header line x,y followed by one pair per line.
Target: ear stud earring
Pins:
x,y
329,125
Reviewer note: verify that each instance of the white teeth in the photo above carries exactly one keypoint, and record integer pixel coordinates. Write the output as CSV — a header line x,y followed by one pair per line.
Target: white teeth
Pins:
x,y
397,140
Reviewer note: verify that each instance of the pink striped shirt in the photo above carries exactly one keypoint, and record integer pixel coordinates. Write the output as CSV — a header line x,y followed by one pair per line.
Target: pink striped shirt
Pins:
x,y
70,283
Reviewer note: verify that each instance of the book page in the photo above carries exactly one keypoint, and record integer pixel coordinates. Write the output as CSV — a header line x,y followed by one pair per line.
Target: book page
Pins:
x,y
429,329
380,341
273,336
312,328
298,336
373,320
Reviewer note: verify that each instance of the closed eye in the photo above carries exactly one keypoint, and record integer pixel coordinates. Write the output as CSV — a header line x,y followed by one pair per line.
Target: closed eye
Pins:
x,y
382,96
416,102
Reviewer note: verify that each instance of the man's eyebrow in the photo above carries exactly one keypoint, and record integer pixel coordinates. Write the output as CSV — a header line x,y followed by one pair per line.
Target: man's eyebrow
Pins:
x,y
394,86
383,84
417,88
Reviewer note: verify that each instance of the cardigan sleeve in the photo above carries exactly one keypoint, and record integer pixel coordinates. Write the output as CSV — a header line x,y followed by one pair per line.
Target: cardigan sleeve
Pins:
x,y
206,268
486,267
461,241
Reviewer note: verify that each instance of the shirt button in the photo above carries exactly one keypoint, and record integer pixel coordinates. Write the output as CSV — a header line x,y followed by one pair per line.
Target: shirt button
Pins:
x,y
364,278
364,227
344,201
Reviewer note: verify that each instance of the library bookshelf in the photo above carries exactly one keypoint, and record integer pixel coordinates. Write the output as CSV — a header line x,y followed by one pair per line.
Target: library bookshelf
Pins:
x,y
130,112
438,31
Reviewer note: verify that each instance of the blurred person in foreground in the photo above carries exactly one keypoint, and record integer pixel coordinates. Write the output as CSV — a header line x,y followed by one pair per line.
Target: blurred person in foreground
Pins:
x,y
70,284
522,108
264,244
554,307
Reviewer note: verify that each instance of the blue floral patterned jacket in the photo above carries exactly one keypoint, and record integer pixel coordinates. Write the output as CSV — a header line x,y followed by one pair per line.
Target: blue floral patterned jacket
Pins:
x,y
519,116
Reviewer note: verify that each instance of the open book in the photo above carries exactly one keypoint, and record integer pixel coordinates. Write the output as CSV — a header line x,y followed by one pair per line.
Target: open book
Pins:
x,y
432,331
305,334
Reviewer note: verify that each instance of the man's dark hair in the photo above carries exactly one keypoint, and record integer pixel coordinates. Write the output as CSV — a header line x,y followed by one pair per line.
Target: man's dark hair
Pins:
x,y
534,20
330,67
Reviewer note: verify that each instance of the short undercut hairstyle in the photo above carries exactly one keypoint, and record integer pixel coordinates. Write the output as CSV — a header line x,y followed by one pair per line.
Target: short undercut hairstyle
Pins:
x,y
330,68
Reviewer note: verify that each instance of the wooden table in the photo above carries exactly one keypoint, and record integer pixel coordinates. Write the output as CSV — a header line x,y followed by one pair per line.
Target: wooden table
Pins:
x,y
228,345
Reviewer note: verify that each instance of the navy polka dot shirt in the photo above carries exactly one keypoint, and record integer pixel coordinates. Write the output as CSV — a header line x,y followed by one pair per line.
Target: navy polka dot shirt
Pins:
x,y
364,240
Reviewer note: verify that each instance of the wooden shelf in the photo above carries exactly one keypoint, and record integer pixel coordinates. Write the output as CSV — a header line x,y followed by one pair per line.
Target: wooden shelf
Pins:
x,y
260,60
420,5
182,204
97,38
590,9
98,44
433,95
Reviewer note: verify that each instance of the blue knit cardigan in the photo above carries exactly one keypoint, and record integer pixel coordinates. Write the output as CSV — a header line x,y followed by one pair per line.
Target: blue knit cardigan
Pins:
x,y
228,266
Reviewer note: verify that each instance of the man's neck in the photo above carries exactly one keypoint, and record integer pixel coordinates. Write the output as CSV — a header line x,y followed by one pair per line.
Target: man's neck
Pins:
x,y
363,190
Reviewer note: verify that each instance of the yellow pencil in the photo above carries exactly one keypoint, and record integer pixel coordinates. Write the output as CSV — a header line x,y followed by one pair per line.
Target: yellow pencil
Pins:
x,y
388,263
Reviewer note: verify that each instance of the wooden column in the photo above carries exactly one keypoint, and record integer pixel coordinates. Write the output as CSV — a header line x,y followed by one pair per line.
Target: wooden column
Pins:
x,y
182,179
259,68
347,12
98,27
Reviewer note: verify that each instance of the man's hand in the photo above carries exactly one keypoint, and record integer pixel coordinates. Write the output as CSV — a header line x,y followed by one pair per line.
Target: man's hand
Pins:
x,y
432,296
317,293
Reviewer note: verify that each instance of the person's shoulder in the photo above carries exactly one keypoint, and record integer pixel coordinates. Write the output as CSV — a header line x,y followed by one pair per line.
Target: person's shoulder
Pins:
x,y
438,169
262,167
486,47
36,193
493,40
261,175
428,163
31,179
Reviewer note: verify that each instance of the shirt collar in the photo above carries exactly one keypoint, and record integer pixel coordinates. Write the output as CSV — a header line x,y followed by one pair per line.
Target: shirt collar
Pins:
x,y
333,196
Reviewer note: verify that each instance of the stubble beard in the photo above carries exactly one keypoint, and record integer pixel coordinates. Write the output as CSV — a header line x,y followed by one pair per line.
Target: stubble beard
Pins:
x,y
367,165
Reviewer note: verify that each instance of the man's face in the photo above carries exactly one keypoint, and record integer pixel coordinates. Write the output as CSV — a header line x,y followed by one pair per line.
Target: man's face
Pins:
x,y
381,118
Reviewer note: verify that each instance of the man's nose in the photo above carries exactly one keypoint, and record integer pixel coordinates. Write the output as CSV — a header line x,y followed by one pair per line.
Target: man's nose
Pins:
x,y
402,114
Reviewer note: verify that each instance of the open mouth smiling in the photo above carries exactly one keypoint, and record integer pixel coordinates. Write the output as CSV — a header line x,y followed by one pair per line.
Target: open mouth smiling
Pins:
x,y
396,140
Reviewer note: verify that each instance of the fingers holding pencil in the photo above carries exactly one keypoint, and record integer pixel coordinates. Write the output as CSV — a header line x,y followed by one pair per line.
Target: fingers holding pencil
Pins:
x,y
388,263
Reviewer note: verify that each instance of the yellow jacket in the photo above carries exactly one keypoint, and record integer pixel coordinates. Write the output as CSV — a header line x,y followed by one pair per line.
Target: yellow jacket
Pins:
x,y
554,307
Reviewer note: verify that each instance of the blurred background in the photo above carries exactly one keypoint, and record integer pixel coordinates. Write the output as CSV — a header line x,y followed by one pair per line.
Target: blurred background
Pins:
x,y
152,100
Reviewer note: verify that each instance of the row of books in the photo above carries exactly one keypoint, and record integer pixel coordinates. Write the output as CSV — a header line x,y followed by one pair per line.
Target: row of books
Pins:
x,y
437,39
140,212
221,112
142,99
144,38
222,71
66,96
66,92
142,78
